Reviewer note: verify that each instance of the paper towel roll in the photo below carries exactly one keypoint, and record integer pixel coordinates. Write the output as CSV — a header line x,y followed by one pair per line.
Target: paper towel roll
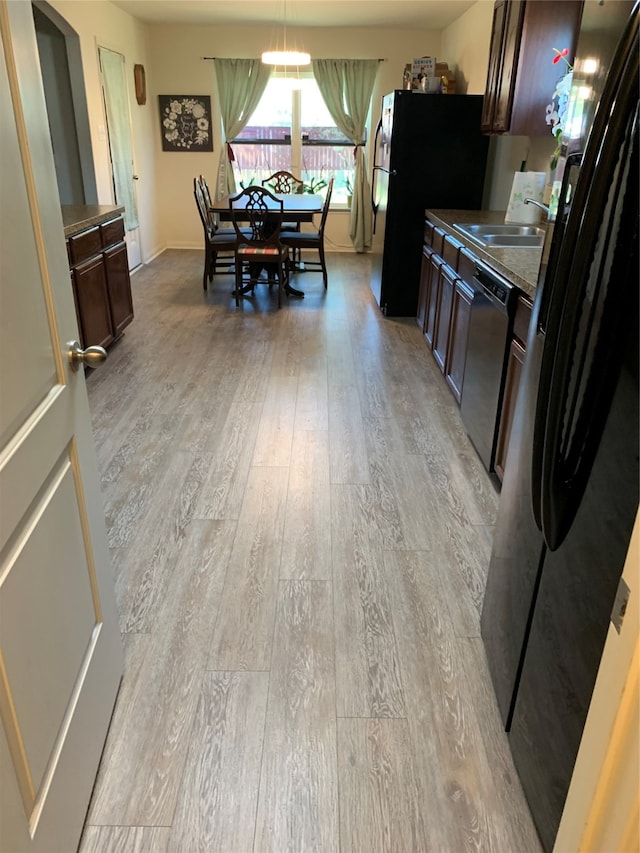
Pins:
x,y
525,185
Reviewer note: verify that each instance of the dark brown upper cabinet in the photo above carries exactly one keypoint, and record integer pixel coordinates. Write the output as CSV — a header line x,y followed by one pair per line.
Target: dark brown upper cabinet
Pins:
x,y
521,76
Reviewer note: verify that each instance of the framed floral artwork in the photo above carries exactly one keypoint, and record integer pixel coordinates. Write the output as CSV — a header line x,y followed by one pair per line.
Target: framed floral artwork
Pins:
x,y
185,121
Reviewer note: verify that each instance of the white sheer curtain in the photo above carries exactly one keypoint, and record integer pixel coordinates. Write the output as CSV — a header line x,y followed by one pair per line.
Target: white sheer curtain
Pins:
x,y
346,86
241,84
117,108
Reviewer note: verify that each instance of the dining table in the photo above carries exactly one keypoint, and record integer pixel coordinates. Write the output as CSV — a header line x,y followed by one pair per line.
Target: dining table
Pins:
x,y
296,207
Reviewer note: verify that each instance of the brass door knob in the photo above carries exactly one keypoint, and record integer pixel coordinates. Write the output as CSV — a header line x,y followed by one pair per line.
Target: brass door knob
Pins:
x,y
91,356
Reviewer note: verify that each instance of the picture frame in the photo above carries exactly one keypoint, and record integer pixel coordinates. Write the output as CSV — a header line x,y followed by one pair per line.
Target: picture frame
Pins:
x,y
185,122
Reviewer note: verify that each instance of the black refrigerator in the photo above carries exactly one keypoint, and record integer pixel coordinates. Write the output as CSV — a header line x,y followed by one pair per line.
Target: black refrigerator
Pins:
x,y
428,153
569,498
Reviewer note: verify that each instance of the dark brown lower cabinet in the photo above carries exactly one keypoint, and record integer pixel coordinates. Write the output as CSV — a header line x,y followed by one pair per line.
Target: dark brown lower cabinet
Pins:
x,y
92,303
423,291
101,282
433,288
458,337
116,265
443,315
517,352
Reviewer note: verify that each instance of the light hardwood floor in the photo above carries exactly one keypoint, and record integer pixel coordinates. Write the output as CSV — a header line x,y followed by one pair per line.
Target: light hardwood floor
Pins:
x,y
300,531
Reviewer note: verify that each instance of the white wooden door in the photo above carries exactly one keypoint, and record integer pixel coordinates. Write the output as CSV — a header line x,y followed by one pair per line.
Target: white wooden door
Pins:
x,y
60,651
116,101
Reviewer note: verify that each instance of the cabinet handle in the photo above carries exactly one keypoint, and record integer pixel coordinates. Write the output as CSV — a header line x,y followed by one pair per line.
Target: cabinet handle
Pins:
x,y
91,356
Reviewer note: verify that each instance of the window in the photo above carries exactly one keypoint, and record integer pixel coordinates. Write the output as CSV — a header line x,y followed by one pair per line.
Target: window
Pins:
x,y
293,130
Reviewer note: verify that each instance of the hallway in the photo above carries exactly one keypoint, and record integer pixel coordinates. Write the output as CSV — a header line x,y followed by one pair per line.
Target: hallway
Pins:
x,y
300,531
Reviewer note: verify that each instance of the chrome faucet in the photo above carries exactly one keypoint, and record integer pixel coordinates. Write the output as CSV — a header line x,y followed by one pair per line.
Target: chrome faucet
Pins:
x,y
537,204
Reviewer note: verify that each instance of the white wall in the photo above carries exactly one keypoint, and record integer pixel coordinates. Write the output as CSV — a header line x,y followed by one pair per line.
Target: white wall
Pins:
x,y
100,23
176,67
466,42
465,46
172,55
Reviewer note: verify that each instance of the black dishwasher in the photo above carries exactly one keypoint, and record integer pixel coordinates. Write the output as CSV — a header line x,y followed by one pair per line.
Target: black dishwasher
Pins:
x,y
490,327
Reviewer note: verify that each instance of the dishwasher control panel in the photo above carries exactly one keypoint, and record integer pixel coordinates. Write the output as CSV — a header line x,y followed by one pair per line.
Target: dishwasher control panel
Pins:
x,y
492,286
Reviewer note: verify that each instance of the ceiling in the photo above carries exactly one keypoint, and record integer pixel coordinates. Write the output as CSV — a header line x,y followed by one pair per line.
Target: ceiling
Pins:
x,y
426,14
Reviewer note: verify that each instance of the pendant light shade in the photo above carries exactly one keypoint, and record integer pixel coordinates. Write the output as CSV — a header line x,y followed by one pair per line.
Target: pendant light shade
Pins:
x,y
285,56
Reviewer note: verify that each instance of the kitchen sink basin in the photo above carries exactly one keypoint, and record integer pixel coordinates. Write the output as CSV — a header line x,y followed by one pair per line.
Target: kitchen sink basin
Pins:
x,y
504,236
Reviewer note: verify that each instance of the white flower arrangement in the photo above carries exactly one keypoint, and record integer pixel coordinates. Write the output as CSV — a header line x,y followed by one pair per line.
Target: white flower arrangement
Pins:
x,y
556,111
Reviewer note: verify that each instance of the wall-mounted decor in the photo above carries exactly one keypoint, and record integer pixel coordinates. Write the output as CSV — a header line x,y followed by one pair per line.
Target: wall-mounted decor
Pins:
x,y
140,84
186,122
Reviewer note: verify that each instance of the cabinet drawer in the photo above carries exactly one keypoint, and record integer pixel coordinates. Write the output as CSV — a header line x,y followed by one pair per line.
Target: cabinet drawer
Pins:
x,y
112,231
451,251
428,232
466,266
522,318
437,241
86,245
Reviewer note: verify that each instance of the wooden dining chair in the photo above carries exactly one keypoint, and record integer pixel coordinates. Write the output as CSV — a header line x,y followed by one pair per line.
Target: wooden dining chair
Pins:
x,y
285,183
213,217
301,240
219,246
258,244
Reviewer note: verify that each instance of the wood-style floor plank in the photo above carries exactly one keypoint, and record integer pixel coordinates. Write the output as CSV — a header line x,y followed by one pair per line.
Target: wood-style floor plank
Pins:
x,y
380,802
348,459
244,630
217,804
300,532
445,722
125,839
298,804
306,547
368,675
141,769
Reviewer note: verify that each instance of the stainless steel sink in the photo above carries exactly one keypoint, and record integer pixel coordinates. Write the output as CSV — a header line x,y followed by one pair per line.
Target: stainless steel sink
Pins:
x,y
504,236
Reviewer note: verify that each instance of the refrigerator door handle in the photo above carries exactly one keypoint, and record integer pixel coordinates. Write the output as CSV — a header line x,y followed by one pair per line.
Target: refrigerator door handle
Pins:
x,y
374,206
571,162
581,363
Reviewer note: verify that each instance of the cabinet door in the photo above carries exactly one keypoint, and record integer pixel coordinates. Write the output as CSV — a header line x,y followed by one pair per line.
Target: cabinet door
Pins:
x,y
508,66
458,335
433,283
90,291
443,316
493,72
512,383
119,287
423,293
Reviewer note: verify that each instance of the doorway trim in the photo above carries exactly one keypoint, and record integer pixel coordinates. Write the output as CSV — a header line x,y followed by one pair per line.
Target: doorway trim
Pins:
x,y
79,97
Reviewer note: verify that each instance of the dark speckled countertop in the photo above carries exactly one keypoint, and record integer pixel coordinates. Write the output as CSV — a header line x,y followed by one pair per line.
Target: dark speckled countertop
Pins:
x,y
78,217
520,266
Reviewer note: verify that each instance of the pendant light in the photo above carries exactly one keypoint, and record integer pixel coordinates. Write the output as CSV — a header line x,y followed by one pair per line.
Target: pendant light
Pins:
x,y
285,56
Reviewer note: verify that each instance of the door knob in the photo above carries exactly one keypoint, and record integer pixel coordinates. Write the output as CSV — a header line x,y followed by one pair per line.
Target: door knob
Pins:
x,y
91,356
136,178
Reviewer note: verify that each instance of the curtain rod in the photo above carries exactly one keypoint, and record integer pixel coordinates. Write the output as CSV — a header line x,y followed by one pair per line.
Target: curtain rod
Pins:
x,y
255,57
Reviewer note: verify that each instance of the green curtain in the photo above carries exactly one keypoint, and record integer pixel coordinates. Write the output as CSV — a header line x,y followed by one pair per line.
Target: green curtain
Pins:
x,y
117,107
346,86
241,84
